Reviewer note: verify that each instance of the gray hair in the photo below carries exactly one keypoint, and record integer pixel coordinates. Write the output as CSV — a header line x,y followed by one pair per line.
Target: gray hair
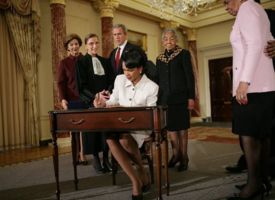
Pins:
x,y
169,30
122,26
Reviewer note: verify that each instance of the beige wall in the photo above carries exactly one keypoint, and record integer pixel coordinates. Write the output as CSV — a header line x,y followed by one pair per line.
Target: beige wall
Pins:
x,y
212,42
45,79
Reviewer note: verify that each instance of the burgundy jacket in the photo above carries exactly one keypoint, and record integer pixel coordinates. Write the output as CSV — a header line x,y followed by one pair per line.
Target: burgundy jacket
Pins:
x,y
66,79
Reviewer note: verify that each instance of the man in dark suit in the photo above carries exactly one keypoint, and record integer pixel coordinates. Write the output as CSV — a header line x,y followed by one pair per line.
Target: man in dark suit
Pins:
x,y
270,51
120,38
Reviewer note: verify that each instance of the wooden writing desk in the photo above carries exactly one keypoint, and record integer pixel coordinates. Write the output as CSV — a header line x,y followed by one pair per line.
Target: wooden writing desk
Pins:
x,y
111,119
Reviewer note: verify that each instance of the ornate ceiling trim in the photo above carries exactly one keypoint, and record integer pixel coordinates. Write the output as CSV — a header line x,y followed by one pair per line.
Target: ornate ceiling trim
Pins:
x,y
216,15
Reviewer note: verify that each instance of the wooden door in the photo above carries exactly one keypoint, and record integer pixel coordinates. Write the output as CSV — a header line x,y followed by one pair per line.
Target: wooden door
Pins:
x,y
220,75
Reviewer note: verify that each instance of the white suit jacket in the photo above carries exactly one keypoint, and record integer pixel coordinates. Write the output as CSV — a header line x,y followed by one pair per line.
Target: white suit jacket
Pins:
x,y
144,93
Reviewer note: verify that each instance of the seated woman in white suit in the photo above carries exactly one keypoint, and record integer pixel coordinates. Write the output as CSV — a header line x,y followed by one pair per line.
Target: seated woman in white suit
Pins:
x,y
132,88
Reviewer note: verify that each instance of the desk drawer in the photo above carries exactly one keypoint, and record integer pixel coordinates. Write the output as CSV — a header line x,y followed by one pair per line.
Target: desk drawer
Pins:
x,y
105,121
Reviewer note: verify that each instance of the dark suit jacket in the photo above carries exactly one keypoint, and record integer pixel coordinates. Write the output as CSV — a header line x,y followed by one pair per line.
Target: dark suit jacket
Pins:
x,y
88,83
175,79
271,16
112,58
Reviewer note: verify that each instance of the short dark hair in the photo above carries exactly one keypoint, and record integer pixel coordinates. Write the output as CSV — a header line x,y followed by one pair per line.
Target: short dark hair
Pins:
x,y
71,37
90,35
134,57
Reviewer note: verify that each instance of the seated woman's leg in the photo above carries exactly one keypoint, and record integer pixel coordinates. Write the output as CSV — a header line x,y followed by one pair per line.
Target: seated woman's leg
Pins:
x,y
130,146
123,159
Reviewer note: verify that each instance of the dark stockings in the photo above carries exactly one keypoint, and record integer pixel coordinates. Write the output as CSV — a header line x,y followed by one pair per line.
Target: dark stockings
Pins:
x,y
256,159
179,143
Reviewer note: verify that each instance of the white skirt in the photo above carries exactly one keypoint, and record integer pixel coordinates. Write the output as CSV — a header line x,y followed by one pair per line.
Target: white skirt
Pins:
x,y
140,136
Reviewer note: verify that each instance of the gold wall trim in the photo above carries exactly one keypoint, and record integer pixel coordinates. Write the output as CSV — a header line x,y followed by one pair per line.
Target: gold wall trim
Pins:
x,y
58,2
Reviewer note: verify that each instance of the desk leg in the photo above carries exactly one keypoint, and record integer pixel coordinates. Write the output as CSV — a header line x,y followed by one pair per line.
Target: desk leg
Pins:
x,y
158,164
164,147
55,164
74,155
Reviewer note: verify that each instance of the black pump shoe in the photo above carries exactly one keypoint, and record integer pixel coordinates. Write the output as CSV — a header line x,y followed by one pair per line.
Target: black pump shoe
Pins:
x,y
106,164
183,164
146,188
267,187
258,193
97,166
240,187
173,161
137,197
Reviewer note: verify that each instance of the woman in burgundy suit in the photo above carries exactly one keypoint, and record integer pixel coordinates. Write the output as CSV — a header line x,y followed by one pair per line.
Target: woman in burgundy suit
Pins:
x,y
66,82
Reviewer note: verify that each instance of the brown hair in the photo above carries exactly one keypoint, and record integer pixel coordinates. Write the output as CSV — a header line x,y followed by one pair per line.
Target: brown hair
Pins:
x,y
71,37
90,35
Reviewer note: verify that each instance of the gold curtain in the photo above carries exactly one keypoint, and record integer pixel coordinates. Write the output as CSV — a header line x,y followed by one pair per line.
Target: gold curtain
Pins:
x,y
23,35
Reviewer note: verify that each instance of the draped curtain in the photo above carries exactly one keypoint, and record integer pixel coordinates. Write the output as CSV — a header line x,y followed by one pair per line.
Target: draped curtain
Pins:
x,y
19,22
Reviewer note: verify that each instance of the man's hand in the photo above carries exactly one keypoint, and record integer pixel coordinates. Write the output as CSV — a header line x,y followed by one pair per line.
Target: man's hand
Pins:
x,y
270,49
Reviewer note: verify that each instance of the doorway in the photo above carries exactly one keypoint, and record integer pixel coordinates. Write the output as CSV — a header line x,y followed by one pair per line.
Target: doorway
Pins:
x,y
220,77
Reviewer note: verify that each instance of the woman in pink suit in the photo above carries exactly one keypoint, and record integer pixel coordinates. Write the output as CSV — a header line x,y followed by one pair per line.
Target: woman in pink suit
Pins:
x,y
253,89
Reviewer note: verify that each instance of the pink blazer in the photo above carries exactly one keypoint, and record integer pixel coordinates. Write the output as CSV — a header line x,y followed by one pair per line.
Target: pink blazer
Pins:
x,y
248,38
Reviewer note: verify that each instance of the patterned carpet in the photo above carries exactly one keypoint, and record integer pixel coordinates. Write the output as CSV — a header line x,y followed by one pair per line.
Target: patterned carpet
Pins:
x,y
213,134
200,132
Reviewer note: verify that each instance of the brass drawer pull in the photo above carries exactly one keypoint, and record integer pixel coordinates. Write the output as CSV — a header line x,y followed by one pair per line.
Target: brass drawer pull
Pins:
x,y
77,122
126,121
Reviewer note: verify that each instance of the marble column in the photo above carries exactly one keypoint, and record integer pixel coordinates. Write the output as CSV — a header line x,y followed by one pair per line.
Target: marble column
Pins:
x,y
192,47
58,35
106,10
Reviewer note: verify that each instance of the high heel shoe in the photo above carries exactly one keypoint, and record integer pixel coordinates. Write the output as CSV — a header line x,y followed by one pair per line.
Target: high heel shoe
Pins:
x,y
183,164
267,187
137,197
106,164
97,165
259,193
82,162
173,161
146,188
240,187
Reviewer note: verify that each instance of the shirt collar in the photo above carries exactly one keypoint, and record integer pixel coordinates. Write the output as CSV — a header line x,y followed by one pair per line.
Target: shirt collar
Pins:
x,y
123,45
139,84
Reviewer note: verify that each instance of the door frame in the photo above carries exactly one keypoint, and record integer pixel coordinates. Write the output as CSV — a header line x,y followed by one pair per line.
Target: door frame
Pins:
x,y
206,54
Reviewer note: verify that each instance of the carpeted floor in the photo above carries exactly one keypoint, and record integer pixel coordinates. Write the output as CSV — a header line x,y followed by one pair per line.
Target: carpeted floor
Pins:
x,y
210,150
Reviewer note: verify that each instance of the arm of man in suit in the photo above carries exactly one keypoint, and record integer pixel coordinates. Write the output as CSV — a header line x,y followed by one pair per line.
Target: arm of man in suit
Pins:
x,y
270,49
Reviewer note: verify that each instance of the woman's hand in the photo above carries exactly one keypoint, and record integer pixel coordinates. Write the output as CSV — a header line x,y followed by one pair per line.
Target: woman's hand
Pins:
x,y
100,99
191,104
64,104
105,94
241,93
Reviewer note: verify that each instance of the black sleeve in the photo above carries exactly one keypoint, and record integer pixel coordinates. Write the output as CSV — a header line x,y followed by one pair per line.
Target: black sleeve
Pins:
x,y
151,71
189,75
83,82
109,74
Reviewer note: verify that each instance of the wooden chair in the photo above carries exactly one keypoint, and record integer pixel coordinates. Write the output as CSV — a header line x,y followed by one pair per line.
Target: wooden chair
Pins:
x,y
147,153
